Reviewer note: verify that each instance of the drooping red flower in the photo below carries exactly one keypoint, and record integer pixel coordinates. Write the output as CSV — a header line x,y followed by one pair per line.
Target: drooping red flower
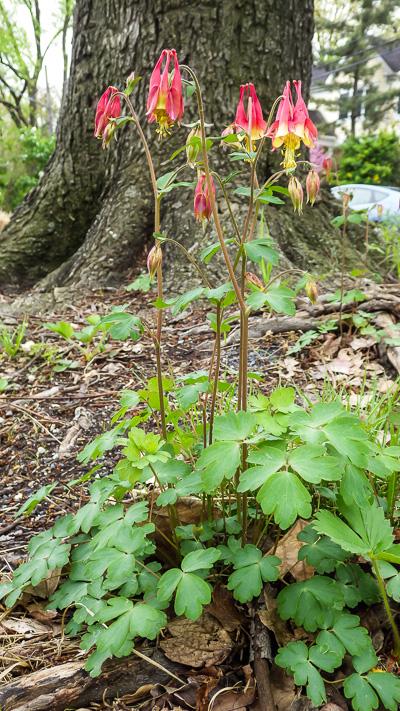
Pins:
x,y
202,200
165,99
328,166
108,107
250,118
292,125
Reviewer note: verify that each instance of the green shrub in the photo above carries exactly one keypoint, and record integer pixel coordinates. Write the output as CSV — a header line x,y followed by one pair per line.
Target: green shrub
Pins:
x,y
374,158
24,155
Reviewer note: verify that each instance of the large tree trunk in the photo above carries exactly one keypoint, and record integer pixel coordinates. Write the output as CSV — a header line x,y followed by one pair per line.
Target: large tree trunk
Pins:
x,y
93,210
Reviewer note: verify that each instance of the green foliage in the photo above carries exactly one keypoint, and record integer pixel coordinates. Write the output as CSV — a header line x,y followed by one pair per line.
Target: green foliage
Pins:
x,y
11,339
25,153
35,499
251,569
296,658
366,692
372,159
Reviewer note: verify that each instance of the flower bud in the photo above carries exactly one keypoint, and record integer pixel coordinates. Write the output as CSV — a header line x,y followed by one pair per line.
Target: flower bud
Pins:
x,y
327,165
154,259
311,290
202,200
312,186
193,147
346,197
108,134
296,194
131,78
254,280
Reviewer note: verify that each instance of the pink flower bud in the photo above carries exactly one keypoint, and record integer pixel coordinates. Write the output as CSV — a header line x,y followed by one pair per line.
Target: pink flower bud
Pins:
x,y
193,147
346,198
202,199
311,290
312,186
327,165
154,259
254,280
296,194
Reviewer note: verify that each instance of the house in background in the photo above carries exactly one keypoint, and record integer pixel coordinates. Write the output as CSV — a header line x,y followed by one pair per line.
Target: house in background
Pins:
x,y
329,108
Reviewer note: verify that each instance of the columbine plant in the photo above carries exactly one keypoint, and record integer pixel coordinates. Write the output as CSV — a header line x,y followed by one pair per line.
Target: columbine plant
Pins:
x,y
254,463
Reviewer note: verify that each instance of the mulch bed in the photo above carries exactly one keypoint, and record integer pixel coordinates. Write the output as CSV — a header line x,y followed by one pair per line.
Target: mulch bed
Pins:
x,y
46,418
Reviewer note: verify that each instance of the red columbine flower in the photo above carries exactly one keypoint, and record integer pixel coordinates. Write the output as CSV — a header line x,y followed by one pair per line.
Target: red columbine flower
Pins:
x,y
248,118
165,100
202,200
292,125
108,107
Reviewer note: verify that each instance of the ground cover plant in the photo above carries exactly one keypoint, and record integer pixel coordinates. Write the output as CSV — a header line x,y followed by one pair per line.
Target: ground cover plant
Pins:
x,y
256,464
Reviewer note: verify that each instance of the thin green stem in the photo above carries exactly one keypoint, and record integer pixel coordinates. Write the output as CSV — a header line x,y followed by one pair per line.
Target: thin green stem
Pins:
x,y
391,494
157,199
216,372
191,259
281,274
385,600
207,172
229,206
251,202
160,387
343,265
145,146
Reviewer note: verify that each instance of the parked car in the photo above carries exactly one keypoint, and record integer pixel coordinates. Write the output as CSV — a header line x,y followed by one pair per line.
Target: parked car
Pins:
x,y
380,202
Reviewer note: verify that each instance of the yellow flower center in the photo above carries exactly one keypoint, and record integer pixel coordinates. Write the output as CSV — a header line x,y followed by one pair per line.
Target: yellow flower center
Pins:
x,y
292,144
164,122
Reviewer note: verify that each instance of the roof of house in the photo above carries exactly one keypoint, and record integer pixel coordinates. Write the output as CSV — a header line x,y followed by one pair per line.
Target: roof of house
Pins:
x,y
389,51
317,116
391,55
319,74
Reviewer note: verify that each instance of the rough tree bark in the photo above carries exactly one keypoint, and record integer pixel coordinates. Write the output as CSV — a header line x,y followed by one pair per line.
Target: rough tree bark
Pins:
x,y
92,210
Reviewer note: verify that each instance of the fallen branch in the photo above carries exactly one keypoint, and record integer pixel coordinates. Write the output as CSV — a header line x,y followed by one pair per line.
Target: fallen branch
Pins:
x,y
69,686
261,654
385,322
309,318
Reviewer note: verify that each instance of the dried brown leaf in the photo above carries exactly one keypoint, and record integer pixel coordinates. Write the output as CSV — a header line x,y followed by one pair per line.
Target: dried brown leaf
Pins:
x,y
38,612
24,627
46,587
270,618
231,700
224,609
287,550
197,644
283,688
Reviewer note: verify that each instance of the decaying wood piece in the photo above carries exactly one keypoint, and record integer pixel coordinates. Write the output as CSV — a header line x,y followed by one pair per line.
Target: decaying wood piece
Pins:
x,y
308,318
69,686
385,322
261,655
